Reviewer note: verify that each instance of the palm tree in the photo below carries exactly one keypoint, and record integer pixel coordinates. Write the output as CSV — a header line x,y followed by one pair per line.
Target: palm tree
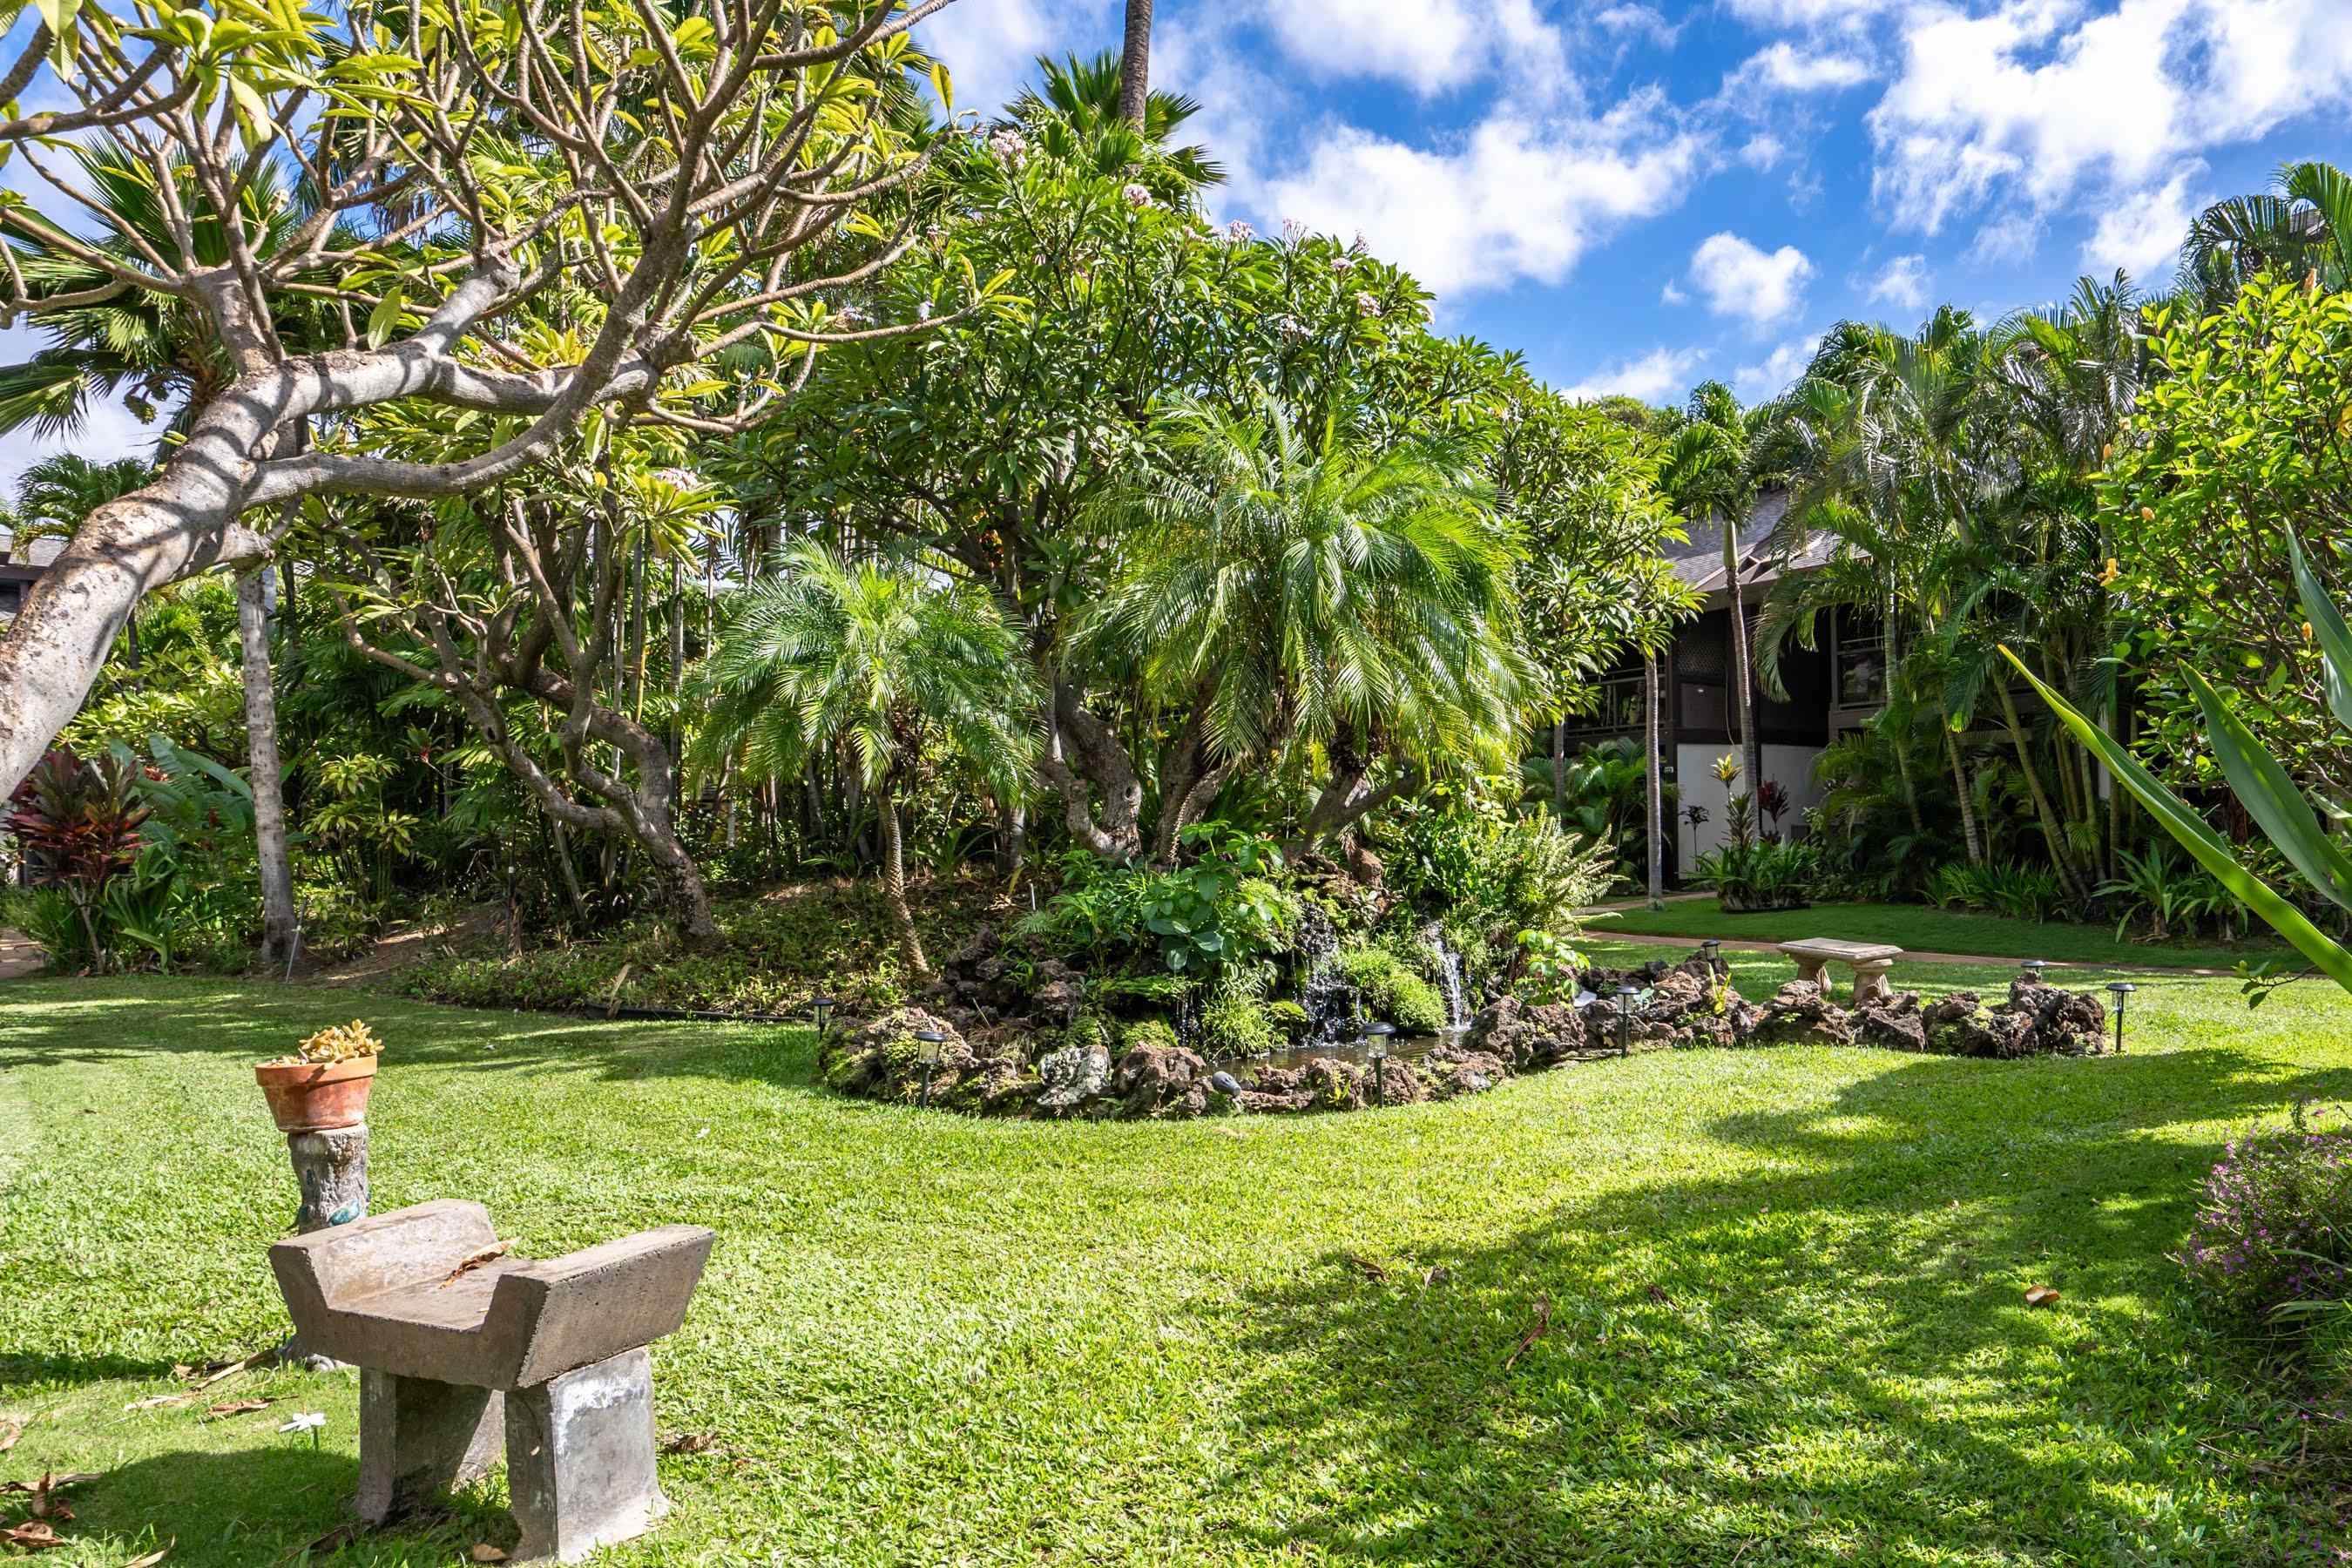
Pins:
x,y
2302,227
1088,95
883,662
55,494
1135,62
1295,592
1709,474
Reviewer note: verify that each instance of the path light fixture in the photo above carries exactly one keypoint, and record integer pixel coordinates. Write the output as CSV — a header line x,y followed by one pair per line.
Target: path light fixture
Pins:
x,y
1712,951
1626,992
820,1009
1376,1049
931,1040
2119,989
2032,969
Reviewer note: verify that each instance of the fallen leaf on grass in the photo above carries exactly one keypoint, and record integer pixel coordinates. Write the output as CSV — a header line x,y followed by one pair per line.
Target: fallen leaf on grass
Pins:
x,y
232,1368
1367,1268
1535,1331
9,1432
485,1552
236,1407
158,1401
689,1442
153,1557
1660,1297
488,1254
33,1537
2041,1296
1438,1274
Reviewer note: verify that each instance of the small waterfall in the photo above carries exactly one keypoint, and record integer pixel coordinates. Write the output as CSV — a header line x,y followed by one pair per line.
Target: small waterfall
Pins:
x,y
1449,979
1329,1000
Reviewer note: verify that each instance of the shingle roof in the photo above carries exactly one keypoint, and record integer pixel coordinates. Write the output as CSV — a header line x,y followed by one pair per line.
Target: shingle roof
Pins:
x,y
1700,562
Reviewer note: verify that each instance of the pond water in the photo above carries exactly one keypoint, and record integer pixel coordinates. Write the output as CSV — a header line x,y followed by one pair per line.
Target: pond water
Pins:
x,y
1401,1049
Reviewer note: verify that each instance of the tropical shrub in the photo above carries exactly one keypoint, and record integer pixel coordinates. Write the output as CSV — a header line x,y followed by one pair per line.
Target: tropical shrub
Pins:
x,y
1762,874
1462,855
78,826
1224,909
2272,1234
1392,991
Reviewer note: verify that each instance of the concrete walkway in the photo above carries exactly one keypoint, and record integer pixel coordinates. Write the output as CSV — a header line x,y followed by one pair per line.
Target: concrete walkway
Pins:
x,y
1603,934
19,956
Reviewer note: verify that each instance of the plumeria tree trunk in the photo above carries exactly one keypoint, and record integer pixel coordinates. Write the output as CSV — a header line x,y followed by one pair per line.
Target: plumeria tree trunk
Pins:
x,y
1970,833
278,919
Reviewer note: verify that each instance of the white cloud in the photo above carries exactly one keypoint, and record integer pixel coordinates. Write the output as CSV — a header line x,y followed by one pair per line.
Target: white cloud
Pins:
x,y
1762,151
1808,12
2141,231
1670,295
991,49
1782,367
2009,237
1739,279
1431,47
1520,196
2042,97
1902,283
1786,69
1659,376
1639,21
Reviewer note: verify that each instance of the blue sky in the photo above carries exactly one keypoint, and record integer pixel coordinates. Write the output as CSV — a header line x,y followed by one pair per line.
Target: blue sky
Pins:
x,y
1640,196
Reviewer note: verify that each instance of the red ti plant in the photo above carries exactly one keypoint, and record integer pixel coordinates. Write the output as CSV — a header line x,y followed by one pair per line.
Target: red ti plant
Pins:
x,y
78,823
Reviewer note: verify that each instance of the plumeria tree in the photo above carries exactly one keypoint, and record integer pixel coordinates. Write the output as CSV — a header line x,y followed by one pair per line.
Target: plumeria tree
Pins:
x,y
551,217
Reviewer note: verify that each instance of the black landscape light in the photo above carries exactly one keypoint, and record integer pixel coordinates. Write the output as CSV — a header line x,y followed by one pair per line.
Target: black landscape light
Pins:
x,y
820,1009
1626,992
2033,967
1376,1048
931,1040
1712,951
2119,989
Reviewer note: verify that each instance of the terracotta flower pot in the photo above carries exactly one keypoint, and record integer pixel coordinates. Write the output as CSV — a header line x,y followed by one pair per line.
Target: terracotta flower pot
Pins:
x,y
308,1097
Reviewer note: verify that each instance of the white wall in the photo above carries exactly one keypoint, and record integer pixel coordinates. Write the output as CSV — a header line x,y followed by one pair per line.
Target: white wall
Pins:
x,y
1791,767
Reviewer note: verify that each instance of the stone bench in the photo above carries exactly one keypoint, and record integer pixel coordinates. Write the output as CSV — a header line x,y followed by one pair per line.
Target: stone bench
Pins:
x,y
1869,960
459,1354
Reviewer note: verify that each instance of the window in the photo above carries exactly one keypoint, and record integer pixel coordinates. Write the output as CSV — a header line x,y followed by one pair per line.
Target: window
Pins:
x,y
1703,708
1619,707
1860,668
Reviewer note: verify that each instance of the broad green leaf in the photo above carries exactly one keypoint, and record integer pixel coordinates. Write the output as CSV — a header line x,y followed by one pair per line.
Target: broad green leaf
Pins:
x,y
2204,846
2270,796
384,319
2327,627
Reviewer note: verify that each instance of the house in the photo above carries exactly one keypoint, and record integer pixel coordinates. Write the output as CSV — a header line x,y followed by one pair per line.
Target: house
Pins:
x,y
20,567
1831,688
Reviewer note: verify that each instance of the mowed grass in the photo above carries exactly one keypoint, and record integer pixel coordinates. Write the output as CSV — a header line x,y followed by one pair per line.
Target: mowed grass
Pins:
x,y
1779,1295
1924,928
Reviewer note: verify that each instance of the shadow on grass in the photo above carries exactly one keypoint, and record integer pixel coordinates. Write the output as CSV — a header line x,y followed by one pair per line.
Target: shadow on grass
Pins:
x,y
256,1021
68,1370
263,1505
1825,1356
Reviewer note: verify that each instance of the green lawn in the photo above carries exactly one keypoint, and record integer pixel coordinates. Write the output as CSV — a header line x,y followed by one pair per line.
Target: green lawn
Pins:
x,y
1924,928
1783,1290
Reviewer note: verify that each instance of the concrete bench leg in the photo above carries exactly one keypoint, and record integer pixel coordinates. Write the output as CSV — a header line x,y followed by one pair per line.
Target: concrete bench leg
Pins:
x,y
418,1438
1870,983
1810,969
580,1459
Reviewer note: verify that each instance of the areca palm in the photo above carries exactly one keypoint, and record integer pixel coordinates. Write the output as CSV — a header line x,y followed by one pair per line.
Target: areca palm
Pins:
x,y
1293,594
2303,226
55,494
882,662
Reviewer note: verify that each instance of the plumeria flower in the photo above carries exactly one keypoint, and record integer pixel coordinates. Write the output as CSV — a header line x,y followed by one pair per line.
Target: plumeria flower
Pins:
x,y
1138,196
1366,304
1342,263
1240,232
1361,246
309,1421
1292,230
1290,326
1011,146
849,315
923,312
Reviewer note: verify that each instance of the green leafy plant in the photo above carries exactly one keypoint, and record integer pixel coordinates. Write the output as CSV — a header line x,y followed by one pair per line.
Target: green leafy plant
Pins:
x,y
1392,991
2286,816
1762,874
79,825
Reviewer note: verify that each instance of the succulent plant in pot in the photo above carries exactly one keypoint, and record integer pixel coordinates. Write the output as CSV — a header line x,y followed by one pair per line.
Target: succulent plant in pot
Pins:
x,y
324,1084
